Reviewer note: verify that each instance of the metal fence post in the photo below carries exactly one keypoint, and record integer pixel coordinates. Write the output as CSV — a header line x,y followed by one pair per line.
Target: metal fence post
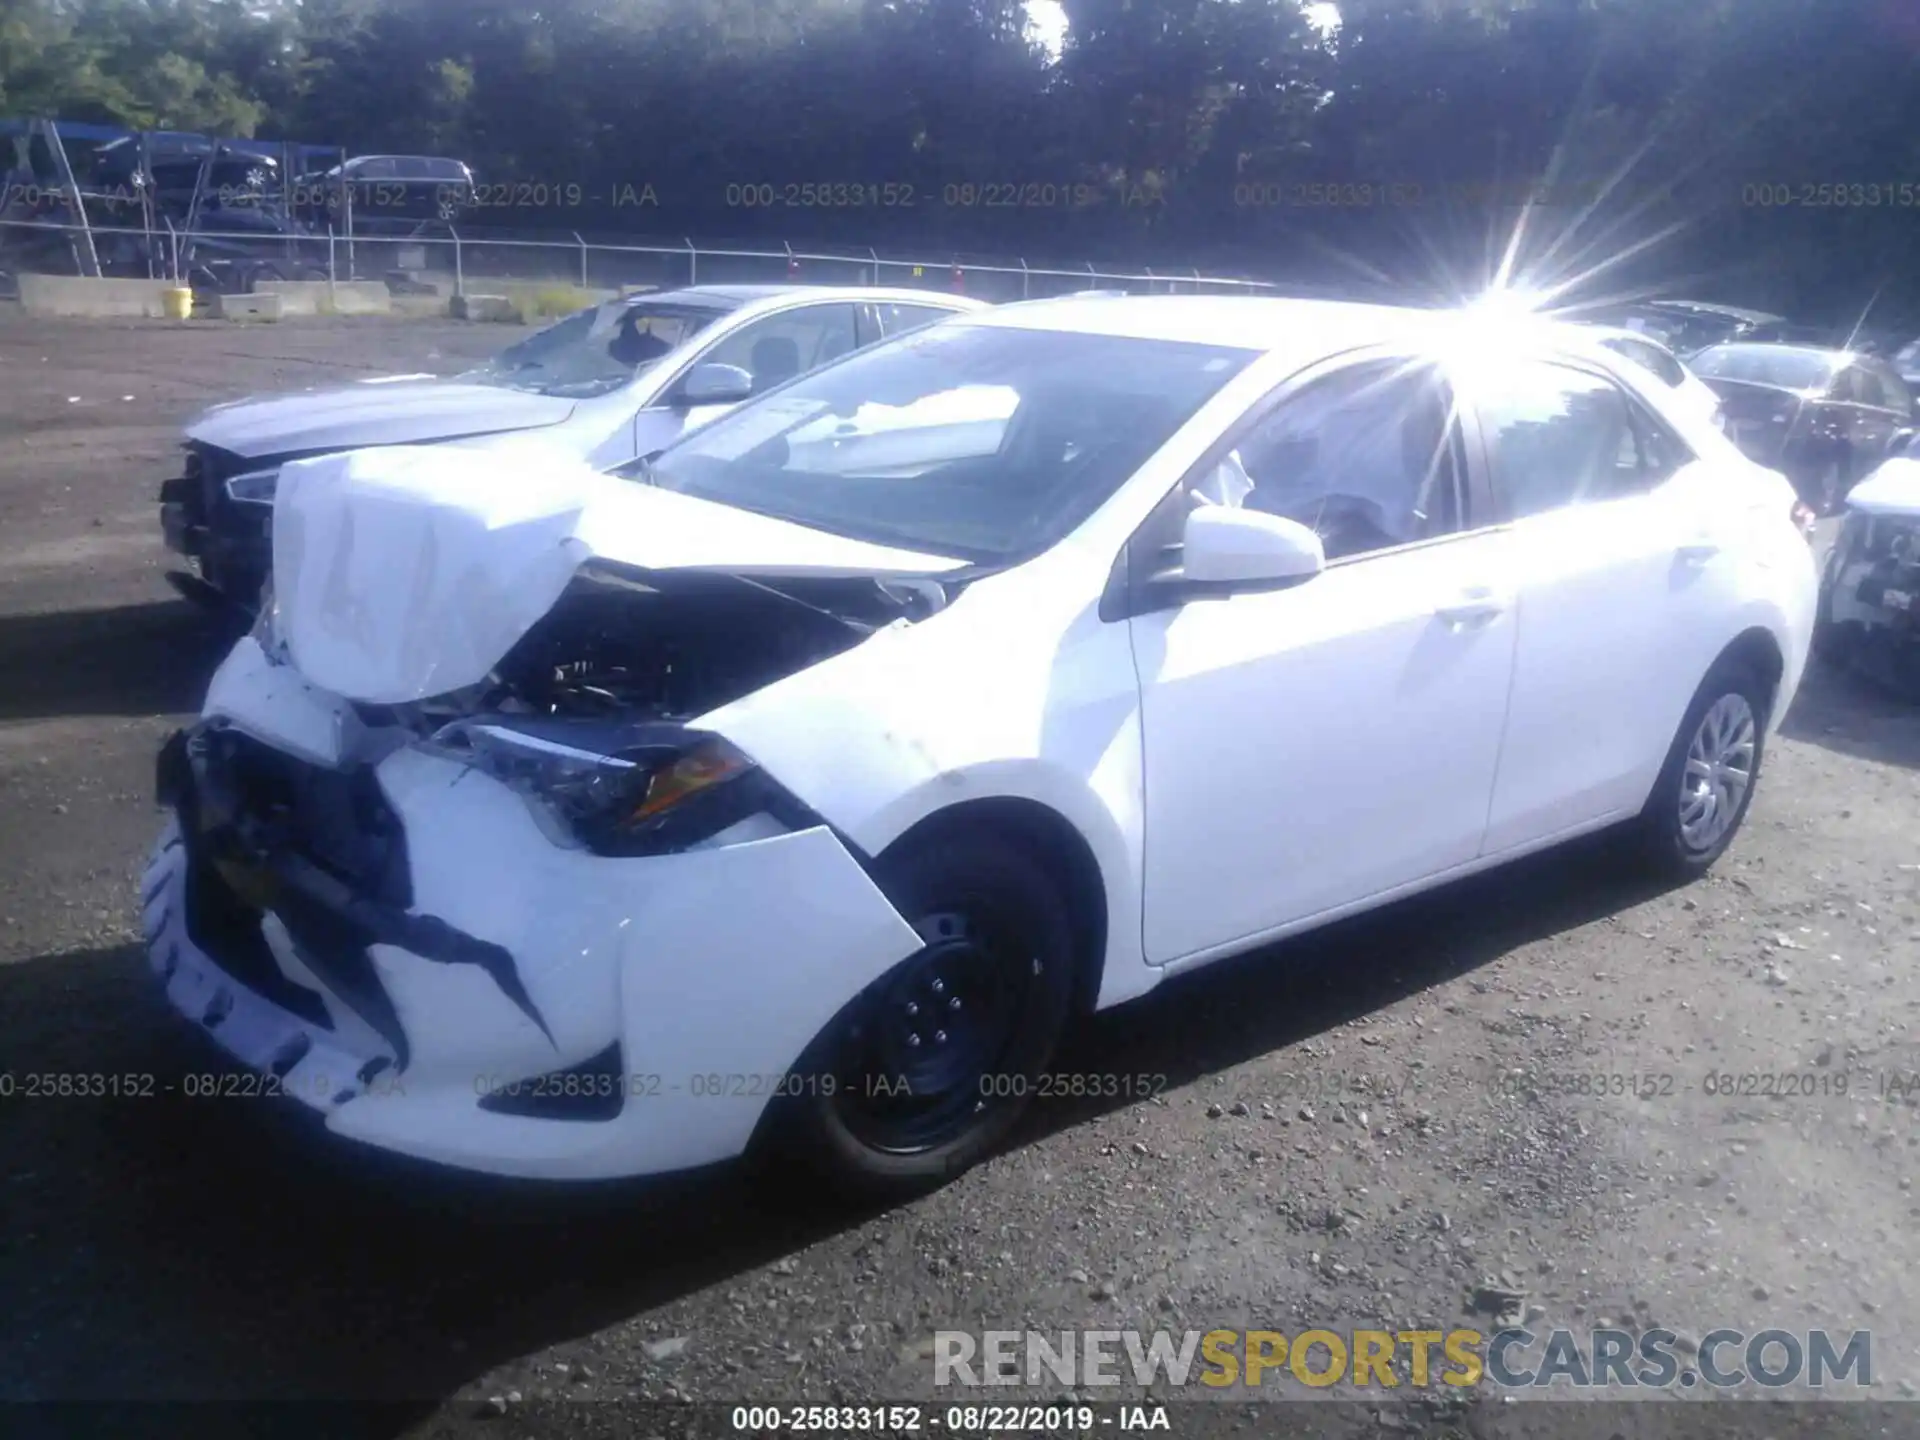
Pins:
x,y
583,258
459,265
1025,280
331,273
693,263
876,264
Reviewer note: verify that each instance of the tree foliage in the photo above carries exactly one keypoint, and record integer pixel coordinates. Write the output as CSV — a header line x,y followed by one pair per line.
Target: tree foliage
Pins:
x,y
1394,148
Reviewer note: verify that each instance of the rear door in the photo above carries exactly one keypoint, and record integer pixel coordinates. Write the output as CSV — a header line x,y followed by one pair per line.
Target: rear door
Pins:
x,y
1625,554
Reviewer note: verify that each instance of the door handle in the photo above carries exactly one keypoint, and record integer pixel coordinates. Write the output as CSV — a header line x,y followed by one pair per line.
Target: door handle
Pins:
x,y
1472,608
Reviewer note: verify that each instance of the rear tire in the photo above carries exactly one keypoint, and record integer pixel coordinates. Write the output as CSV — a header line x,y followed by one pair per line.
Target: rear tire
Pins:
x,y
1705,787
970,1022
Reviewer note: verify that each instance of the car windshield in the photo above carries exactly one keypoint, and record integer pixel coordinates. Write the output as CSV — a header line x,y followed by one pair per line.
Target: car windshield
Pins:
x,y
1775,365
596,351
982,442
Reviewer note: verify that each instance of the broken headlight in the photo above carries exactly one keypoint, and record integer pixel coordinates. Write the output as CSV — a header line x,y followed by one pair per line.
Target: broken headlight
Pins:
x,y
255,487
613,789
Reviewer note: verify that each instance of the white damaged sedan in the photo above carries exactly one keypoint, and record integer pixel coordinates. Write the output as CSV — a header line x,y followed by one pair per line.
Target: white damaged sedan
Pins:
x,y
795,791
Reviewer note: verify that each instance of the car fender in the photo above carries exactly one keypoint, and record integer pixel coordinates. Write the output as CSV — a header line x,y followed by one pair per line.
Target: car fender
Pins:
x,y
1017,690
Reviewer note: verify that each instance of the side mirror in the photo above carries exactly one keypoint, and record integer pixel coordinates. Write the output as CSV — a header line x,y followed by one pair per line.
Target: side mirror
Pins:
x,y
713,384
1234,549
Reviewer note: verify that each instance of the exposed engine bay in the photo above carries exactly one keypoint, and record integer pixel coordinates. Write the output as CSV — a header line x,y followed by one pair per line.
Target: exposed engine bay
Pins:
x,y
1870,602
621,643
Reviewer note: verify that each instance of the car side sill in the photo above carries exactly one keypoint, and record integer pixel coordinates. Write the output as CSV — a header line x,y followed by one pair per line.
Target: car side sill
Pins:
x,y
1385,897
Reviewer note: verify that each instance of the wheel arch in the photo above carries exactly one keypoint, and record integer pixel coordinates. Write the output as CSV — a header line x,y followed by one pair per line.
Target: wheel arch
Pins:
x,y
1758,648
1052,839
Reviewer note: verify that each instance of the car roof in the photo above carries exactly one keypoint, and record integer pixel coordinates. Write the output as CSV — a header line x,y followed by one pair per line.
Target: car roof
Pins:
x,y
1240,321
747,294
1301,330
1823,352
1730,312
1619,332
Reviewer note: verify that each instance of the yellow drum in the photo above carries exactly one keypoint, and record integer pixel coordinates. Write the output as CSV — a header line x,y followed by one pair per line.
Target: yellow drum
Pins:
x,y
176,304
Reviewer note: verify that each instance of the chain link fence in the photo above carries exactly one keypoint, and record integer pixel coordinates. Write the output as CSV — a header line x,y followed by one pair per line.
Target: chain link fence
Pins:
x,y
232,259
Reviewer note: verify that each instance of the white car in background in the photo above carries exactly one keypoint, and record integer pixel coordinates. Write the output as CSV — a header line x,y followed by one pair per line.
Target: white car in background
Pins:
x,y
792,796
608,383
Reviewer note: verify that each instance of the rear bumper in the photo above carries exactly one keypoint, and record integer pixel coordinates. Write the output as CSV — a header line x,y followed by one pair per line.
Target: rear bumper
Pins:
x,y
708,972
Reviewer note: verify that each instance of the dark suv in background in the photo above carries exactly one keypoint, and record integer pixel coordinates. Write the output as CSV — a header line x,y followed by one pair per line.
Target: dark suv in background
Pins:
x,y
1824,418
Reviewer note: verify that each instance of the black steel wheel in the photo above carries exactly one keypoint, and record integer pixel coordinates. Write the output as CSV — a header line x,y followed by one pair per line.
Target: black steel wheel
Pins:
x,y
929,1067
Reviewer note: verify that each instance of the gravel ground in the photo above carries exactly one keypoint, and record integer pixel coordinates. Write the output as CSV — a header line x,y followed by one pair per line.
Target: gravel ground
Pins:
x,y
1361,1128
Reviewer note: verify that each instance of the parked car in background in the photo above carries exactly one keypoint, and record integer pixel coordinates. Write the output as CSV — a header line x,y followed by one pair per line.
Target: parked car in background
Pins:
x,y
607,384
1657,360
383,188
1869,616
793,796
1824,418
1689,326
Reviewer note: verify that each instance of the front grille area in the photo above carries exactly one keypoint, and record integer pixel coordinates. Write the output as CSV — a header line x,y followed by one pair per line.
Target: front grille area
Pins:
x,y
338,820
255,809
227,928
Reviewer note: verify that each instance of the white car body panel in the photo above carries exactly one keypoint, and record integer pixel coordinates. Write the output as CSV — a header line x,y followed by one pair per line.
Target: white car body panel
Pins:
x,y
1893,489
1238,769
1615,631
1401,709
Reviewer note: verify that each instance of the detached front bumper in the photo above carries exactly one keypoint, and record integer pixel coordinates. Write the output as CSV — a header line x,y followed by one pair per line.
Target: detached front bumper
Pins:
x,y
677,989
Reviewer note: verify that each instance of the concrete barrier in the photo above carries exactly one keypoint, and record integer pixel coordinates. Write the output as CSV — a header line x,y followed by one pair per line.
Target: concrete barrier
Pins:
x,y
329,297
74,295
497,309
545,299
249,307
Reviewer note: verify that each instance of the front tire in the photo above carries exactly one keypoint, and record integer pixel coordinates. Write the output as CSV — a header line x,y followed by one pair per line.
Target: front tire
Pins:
x,y
1707,783
968,1023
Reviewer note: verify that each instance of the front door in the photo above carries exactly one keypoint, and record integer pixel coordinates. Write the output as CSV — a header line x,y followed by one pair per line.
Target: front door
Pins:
x,y
1312,747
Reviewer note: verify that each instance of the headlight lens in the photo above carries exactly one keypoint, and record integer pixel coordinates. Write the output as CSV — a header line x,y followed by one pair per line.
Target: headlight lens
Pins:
x,y
644,798
256,487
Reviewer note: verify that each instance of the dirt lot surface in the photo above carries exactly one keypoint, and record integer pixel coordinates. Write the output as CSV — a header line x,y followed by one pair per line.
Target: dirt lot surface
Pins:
x,y
1506,1083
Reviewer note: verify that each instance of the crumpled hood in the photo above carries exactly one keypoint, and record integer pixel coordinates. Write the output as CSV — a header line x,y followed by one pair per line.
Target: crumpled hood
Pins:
x,y
392,412
405,573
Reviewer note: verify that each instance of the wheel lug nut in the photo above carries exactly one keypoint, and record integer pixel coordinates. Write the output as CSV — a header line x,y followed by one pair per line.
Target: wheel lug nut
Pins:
x,y
954,1003
939,1037
913,1042
912,1009
939,987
